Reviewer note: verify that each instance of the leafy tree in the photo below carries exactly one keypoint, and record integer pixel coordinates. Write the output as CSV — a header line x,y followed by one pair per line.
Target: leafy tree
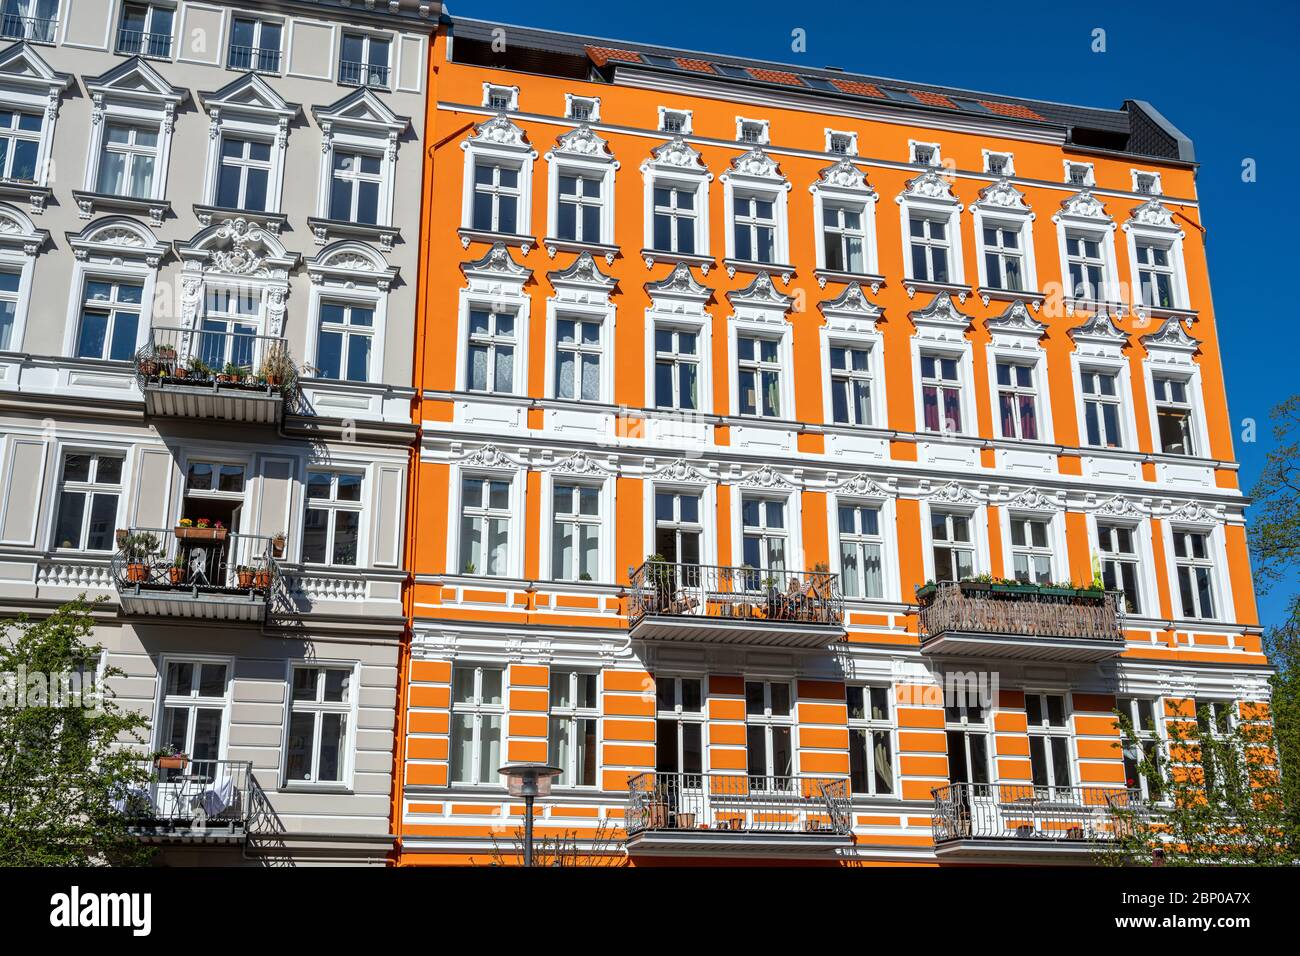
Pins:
x,y
62,763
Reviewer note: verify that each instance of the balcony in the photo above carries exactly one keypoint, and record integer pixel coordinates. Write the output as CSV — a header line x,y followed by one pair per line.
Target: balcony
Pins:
x,y
1004,822
205,573
355,73
707,604
257,59
1020,622
736,814
203,801
215,374
33,29
141,43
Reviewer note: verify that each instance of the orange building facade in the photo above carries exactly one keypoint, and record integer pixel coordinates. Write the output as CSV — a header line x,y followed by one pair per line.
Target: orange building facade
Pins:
x,y
810,465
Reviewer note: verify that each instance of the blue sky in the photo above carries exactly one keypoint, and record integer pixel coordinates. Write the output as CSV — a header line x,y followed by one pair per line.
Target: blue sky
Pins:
x,y
1225,75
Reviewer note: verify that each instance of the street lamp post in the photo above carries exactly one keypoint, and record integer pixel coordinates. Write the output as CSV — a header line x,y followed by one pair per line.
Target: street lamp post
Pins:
x,y
529,780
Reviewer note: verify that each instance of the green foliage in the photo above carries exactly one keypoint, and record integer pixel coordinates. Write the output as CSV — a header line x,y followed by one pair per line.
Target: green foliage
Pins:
x,y
62,766
1216,798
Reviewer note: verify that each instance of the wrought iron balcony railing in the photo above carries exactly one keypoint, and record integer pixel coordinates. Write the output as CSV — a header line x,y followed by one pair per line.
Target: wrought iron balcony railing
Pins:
x,y
199,799
723,803
1065,622
140,43
741,595
356,73
215,373
992,811
36,29
254,58
191,571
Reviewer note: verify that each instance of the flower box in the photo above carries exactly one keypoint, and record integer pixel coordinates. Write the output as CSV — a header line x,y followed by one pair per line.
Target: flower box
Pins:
x,y
200,534
173,762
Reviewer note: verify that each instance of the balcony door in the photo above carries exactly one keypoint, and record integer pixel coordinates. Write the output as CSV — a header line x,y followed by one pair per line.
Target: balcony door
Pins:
x,y
191,721
679,538
228,332
214,494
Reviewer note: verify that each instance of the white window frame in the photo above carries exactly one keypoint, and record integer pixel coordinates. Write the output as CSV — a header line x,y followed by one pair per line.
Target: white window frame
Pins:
x,y
260,20
1083,216
153,109
510,94
962,386
516,479
678,303
844,185
332,505
32,86
760,127
791,512
570,157
100,258
1035,360
348,709
754,175
493,289
680,717
87,489
267,121
769,722
150,5
1141,558
478,709
373,130
508,147
571,102
871,726
676,165
368,36
336,278
1054,551
1008,168
930,196
1049,732
1121,401
850,138
850,322
890,585
192,701
977,516
1089,179
1153,224
1215,560
706,492
935,157
979,727
1154,178
604,522
20,243
738,329
686,116
1155,736
573,715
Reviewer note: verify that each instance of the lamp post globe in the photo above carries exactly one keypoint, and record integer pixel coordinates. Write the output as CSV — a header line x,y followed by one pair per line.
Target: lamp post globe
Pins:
x,y
530,781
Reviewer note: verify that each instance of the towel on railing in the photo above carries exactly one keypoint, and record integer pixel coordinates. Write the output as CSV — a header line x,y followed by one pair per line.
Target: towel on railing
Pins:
x,y
218,797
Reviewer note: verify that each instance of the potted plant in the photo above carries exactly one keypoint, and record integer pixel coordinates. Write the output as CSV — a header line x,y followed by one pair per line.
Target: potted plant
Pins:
x,y
982,583
120,536
171,759
277,545
261,577
138,550
198,369
925,593
245,576
147,365
277,366
470,568
176,573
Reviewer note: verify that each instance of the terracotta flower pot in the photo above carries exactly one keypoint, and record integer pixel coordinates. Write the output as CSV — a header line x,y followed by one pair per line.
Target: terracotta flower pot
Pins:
x,y
137,573
200,534
174,762
262,579
176,575
245,579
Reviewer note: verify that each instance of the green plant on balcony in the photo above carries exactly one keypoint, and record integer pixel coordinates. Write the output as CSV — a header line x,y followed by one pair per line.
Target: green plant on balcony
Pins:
x,y
278,369
138,551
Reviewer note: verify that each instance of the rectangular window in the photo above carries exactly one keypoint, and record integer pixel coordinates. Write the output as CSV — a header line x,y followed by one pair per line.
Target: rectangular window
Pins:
x,y
10,282
861,548
1119,562
495,205
229,326
577,359
145,30
1173,415
354,187
929,245
343,345
500,98
320,706
332,522
1087,268
34,20
491,352
1049,745
1004,260
575,534
769,731
1078,174
674,219
677,368
128,160
754,223
578,212
871,741
679,727
485,525
363,60
844,238
88,494
954,548
850,385
1142,712
1214,720
1031,550
1195,570
20,144
941,394
254,45
1101,408
759,376
679,533
477,712
765,537
244,174
582,109
967,731
194,704
1155,275
1017,400
571,735
110,319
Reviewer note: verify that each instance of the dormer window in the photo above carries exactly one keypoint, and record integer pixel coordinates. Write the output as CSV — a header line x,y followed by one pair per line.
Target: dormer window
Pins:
x,y
584,109
674,121
998,164
1078,174
1146,184
925,154
502,99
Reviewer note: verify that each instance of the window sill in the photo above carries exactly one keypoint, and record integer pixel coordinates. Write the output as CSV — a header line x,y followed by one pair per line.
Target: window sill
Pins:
x,y
876,282
553,245
90,203
1163,312
651,256
323,788
913,286
272,222
733,266
1031,298
34,193
323,230
1094,305
520,241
